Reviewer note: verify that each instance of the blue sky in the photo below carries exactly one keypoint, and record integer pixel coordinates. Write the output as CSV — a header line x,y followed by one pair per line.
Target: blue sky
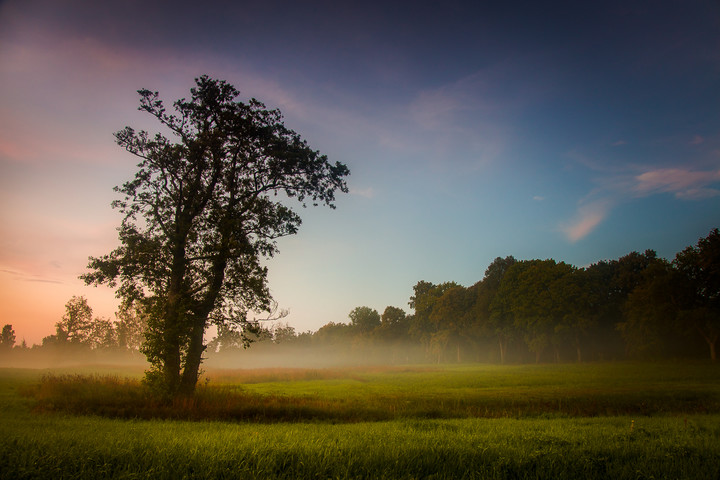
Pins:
x,y
576,131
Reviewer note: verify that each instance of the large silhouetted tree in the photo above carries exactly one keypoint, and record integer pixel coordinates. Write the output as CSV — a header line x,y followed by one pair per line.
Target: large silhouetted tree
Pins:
x,y
205,206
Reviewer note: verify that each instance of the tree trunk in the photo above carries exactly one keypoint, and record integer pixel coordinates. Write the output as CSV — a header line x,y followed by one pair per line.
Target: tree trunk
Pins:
x,y
171,345
201,312
196,348
171,365
503,350
577,347
458,352
174,314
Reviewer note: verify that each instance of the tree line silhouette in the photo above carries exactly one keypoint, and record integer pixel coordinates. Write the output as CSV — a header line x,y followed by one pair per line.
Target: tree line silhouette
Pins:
x,y
639,306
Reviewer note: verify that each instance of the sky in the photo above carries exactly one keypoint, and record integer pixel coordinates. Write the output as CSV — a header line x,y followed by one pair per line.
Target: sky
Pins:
x,y
579,131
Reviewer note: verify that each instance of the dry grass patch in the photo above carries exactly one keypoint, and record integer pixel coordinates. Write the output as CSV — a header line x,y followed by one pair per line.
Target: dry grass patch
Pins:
x,y
374,394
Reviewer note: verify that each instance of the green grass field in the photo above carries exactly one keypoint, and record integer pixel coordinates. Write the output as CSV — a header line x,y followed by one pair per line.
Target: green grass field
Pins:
x,y
614,420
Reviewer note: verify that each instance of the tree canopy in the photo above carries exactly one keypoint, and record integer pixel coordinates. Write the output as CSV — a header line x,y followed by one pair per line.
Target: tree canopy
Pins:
x,y
364,319
7,337
205,206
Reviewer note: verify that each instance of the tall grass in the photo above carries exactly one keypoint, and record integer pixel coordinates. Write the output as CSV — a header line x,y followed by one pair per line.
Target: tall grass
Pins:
x,y
90,447
535,437
356,395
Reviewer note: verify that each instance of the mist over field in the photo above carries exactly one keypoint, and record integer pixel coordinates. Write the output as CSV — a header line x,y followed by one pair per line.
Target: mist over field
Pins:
x,y
258,355
309,356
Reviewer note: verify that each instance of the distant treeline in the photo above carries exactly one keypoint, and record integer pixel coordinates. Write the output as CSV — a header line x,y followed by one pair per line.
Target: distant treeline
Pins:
x,y
79,332
638,306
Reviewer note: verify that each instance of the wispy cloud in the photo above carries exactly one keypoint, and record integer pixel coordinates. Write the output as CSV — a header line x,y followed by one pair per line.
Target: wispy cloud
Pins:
x,y
436,109
492,94
588,217
684,184
41,280
28,277
368,192
472,117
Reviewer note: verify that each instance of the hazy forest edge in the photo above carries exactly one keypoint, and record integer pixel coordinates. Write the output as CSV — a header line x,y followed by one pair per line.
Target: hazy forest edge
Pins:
x,y
638,306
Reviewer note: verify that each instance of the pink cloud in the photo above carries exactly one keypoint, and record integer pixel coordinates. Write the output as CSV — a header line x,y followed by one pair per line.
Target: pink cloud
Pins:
x,y
684,184
588,217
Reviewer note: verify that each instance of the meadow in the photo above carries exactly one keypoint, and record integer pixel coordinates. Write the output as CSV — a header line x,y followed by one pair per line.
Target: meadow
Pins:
x,y
605,420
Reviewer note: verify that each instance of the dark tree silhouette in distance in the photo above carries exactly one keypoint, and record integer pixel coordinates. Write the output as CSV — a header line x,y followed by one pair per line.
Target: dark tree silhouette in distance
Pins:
x,y
7,338
205,206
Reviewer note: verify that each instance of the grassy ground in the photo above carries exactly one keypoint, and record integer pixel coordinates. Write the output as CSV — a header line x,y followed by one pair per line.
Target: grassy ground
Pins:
x,y
678,440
